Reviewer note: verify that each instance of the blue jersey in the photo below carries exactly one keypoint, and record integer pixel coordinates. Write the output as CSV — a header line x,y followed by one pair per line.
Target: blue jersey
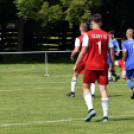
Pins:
x,y
115,48
129,46
116,45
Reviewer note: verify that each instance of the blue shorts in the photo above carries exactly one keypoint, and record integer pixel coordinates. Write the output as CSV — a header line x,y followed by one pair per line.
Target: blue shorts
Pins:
x,y
130,73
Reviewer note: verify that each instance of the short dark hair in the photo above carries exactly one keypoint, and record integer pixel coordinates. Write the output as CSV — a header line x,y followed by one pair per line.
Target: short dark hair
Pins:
x,y
112,32
84,27
97,18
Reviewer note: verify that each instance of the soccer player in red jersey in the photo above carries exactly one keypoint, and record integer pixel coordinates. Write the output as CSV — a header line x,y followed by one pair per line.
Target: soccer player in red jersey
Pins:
x,y
80,68
96,42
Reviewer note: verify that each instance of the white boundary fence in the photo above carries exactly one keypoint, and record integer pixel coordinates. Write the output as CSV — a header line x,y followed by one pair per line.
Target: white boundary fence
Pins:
x,y
37,52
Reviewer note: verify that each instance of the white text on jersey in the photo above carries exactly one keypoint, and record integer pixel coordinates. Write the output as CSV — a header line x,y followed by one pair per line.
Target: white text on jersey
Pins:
x,y
99,36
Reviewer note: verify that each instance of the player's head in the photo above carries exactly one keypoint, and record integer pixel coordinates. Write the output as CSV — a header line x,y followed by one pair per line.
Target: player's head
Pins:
x,y
83,28
96,20
112,33
129,33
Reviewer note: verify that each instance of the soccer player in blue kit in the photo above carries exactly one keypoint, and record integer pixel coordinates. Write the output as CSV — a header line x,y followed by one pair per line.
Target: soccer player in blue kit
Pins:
x,y
115,43
128,58
116,49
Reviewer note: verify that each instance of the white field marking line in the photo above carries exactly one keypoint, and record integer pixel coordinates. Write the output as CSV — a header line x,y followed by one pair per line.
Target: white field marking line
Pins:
x,y
17,70
33,82
56,121
32,89
48,82
9,90
35,76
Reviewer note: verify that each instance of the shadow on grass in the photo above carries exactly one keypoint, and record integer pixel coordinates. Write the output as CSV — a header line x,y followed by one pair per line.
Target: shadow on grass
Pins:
x,y
98,96
117,119
114,95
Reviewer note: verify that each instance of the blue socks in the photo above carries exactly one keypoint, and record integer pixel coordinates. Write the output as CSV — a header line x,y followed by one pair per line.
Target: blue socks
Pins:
x,y
130,84
114,75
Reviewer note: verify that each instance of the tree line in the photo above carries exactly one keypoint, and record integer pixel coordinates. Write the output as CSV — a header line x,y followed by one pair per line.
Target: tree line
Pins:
x,y
41,19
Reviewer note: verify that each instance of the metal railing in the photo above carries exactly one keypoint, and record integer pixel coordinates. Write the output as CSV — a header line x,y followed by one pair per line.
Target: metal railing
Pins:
x,y
37,52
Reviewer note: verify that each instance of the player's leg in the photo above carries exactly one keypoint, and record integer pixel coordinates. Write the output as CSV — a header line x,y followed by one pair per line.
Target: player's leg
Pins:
x,y
73,85
118,63
129,75
102,80
132,79
110,79
123,68
123,74
78,71
104,101
87,96
88,78
117,77
93,90
89,102
131,86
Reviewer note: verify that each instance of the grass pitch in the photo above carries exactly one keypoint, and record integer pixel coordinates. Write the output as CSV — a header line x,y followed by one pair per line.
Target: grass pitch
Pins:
x,y
33,104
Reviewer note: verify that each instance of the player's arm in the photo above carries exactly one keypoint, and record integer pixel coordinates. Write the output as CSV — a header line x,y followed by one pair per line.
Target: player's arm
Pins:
x,y
83,51
117,53
117,49
124,55
124,52
81,55
76,49
111,53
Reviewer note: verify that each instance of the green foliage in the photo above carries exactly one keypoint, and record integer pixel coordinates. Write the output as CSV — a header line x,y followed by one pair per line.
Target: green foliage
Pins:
x,y
73,11
79,11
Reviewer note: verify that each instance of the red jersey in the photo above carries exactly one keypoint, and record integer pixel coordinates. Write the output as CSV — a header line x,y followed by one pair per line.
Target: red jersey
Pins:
x,y
98,43
85,57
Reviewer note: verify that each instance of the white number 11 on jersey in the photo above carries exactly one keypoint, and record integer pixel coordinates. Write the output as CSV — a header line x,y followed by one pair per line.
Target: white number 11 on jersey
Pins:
x,y
99,46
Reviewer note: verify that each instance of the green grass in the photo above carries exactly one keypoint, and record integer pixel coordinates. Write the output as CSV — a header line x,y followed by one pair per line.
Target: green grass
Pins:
x,y
26,97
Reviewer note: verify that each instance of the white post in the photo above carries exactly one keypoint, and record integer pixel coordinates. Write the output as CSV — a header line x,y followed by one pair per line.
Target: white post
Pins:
x,y
46,62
